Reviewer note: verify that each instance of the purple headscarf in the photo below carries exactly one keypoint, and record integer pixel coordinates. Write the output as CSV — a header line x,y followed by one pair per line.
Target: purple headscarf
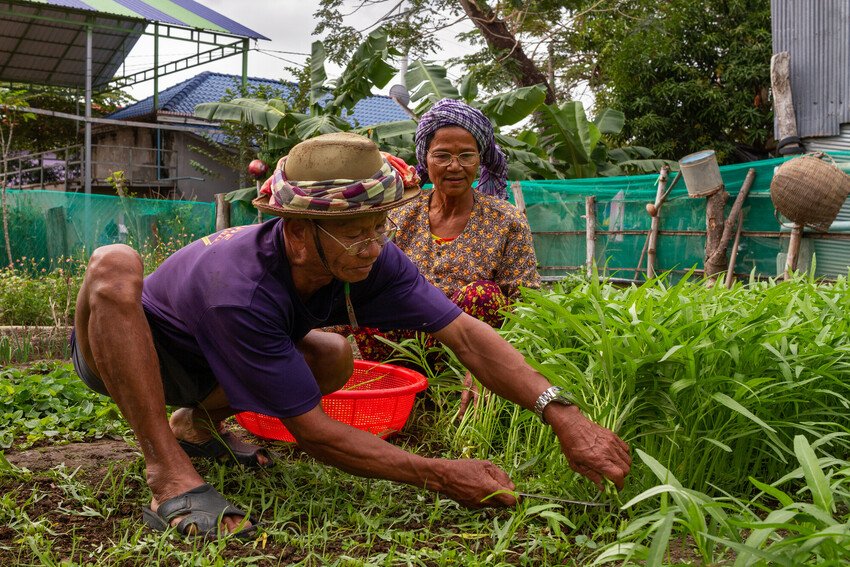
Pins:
x,y
449,112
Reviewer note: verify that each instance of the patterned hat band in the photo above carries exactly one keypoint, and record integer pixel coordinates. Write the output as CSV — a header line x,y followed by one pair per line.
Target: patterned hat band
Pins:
x,y
384,187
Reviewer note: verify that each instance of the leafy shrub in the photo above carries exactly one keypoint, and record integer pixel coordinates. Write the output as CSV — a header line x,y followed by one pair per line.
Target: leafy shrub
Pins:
x,y
35,296
48,400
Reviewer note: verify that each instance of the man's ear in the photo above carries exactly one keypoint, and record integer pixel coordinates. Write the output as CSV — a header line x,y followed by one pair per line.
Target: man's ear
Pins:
x,y
296,231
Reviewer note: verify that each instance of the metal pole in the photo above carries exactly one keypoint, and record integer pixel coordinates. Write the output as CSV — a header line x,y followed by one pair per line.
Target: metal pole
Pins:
x,y
88,230
245,66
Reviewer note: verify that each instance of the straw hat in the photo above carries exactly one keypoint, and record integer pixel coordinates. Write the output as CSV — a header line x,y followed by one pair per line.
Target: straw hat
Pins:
x,y
339,174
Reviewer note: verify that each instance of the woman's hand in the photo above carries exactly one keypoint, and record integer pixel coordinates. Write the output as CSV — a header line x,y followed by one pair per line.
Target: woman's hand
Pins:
x,y
469,394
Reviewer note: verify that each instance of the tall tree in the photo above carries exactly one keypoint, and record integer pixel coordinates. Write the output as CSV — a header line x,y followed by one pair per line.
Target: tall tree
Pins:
x,y
412,23
687,75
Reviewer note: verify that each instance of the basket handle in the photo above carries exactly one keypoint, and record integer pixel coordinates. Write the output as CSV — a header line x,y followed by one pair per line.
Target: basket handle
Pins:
x,y
776,212
821,155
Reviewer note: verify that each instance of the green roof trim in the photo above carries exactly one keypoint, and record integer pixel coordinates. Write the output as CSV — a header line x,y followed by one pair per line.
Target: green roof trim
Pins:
x,y
112,7
189,18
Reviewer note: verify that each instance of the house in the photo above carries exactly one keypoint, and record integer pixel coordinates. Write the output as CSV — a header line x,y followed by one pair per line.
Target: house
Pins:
x,y
159,162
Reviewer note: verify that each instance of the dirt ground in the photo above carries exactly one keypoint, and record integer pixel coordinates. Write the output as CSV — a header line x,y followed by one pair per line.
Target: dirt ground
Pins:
x,y
94,459
76,532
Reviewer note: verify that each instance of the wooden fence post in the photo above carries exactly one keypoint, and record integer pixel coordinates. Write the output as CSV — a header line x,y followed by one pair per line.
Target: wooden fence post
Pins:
x,y
715,209
516,189
222,212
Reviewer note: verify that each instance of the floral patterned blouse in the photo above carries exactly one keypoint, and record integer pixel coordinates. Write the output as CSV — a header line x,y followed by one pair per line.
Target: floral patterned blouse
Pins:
x,y
495,245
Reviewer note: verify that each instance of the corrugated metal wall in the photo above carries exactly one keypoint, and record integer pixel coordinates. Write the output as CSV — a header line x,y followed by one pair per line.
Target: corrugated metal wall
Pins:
x,y
817,35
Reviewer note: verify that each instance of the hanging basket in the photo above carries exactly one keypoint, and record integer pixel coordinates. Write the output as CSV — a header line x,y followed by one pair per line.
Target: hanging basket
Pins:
x,y
809,191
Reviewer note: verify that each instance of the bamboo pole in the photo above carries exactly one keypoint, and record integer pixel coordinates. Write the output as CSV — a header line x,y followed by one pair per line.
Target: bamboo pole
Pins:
x,y
730,271
650,208
590,234
656,221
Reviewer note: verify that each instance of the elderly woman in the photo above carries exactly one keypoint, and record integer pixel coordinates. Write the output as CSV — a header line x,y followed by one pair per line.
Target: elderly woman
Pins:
x,y
469,242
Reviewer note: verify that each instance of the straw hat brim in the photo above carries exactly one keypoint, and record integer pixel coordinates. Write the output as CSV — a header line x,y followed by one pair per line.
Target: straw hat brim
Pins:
x,y
262,203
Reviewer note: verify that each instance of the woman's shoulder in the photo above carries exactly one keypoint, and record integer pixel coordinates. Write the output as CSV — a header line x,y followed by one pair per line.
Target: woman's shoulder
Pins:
x,y
497,206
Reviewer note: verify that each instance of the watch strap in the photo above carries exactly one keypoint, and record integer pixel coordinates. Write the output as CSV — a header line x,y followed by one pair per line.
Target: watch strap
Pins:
x,y
549,395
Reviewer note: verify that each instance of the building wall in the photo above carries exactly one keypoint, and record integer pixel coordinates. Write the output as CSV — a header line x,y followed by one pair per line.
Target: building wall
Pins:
x,y
203,187
134,151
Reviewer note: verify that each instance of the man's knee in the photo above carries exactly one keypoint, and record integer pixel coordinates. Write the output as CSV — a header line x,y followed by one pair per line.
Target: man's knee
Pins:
x,y
115,273
329,357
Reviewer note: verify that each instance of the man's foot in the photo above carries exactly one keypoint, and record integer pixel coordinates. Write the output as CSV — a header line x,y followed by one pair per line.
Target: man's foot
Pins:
x,y
203,438
229,445
196,513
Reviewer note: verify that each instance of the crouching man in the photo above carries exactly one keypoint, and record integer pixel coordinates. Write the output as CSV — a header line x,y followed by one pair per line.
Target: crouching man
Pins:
x,y
227,324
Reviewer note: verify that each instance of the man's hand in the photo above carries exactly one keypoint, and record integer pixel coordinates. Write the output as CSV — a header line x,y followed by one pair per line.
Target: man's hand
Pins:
x,y
469,481
591,450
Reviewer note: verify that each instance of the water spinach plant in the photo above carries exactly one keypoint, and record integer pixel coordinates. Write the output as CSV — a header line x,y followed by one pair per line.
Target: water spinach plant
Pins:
x,y
735,403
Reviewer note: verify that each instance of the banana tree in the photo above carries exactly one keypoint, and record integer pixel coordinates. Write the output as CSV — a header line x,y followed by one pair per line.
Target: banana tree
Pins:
x,y
575,146
285,125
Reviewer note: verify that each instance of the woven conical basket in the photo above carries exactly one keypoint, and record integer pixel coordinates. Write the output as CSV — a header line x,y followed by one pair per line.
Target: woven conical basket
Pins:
x,y
809,190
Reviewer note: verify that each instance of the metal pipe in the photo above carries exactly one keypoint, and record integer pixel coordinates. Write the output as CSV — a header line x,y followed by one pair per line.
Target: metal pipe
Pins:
x,y
89,241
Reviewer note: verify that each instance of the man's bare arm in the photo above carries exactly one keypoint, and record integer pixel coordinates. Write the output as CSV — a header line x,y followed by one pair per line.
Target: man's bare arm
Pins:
x,y
591,449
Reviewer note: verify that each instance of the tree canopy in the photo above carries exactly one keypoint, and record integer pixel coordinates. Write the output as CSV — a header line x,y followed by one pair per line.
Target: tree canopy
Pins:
x,y
687,75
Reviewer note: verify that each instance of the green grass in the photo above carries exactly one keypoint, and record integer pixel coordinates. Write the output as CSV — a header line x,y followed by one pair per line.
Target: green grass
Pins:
x,y
735,403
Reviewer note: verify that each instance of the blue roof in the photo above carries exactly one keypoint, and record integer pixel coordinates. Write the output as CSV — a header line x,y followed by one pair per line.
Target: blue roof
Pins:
x,y
211,87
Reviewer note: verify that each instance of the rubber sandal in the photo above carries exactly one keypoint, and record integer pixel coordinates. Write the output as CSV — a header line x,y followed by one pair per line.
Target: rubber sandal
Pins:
x,y
222,446
203,507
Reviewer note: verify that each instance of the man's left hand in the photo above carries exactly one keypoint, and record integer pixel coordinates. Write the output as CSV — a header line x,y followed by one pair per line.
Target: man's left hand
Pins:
x,y
591,450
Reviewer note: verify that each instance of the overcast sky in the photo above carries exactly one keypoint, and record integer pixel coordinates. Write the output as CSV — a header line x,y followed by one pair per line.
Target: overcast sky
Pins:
x,y
288,24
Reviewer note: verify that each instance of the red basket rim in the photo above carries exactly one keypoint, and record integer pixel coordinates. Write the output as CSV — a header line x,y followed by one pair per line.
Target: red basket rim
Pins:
x,y
418,382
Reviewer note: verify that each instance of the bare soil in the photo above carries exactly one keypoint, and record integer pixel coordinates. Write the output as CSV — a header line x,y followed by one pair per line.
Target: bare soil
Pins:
x,y
76,532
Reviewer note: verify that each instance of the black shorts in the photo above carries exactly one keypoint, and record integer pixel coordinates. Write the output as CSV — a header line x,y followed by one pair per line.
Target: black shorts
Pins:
x,y
182,388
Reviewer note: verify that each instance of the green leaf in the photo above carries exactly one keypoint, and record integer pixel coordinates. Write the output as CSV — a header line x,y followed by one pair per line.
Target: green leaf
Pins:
x,y
387,129
660,541
322,124
815,479
735,406
253,111
511,107
469,87
428,82
610,121
317,75
245,195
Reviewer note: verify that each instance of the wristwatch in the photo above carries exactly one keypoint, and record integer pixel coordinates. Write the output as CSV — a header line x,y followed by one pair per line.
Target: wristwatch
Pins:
x,y
549,395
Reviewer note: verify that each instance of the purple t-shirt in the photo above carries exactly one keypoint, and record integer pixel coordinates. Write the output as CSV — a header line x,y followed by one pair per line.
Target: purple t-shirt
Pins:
x,y
226,304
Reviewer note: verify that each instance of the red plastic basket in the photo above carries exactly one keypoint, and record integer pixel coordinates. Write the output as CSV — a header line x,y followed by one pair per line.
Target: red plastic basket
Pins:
x,y
377,398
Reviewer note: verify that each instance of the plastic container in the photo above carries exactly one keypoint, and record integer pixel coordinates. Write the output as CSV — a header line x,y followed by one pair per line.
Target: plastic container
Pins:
x,y
377,398
701,173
